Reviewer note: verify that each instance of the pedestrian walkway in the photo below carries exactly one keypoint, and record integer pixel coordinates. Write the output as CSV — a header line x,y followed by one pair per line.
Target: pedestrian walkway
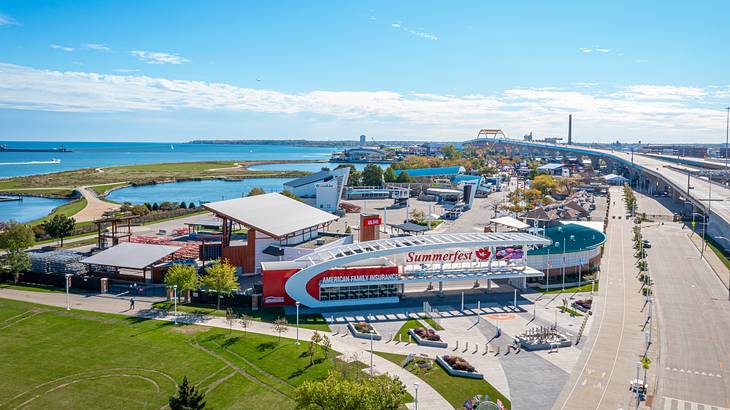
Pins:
x,y
712,259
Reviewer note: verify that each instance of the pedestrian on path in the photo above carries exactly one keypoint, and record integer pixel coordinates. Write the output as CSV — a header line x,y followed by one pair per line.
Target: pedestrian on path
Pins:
x,y
131,303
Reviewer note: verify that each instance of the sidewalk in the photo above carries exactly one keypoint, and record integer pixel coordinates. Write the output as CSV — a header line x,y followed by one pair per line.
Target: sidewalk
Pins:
x,y
428,398
712,259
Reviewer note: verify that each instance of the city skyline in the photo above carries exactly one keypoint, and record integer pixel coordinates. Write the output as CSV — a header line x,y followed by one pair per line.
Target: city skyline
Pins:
x,y
110,71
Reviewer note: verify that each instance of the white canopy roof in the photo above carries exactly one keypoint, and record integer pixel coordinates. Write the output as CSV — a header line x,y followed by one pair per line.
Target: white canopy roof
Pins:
x,y
131,255
511,222
273,214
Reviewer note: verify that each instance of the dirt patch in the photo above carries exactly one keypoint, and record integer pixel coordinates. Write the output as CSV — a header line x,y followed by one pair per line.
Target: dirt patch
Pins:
x,y
188,329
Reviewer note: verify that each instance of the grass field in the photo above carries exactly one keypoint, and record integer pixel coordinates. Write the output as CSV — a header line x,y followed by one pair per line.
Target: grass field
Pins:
x,y
141,174
431,322
69,209
582,288
454,389
51,358
264,314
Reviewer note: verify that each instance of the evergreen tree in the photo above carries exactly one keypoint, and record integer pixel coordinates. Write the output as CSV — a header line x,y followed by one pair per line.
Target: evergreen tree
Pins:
x,y
183,205
192,205
187,397
155,207
389,175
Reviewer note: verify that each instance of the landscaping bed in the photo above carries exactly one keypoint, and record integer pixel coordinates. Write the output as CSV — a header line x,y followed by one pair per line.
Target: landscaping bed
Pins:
x,y
427,337
458,367
363,330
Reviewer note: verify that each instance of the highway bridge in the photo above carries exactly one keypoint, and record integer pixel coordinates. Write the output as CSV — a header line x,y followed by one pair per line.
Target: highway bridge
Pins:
x,y
686,180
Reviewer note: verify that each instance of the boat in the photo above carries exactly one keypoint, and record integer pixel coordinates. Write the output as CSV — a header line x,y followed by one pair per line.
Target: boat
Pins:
x,y
5,148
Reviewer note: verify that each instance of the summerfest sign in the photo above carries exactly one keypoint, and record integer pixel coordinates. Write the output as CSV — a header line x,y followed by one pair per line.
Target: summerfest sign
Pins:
x,y
481,254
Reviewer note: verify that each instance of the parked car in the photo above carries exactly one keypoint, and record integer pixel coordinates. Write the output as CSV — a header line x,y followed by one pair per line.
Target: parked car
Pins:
x,y
647,243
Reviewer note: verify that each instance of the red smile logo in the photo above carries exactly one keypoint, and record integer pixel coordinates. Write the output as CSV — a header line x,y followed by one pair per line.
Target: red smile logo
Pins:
x,y
483,253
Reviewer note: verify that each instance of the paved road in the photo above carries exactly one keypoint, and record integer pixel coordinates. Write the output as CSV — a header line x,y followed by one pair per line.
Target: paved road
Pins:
x,y
694,321
601,377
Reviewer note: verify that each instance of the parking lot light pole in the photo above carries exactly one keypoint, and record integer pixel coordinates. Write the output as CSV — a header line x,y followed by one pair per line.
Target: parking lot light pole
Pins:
x,y
174,296
371,356
728,283
68,302
297,303
416,399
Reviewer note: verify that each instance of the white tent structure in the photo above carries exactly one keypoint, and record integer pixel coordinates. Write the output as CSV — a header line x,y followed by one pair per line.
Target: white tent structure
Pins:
x,y
510,222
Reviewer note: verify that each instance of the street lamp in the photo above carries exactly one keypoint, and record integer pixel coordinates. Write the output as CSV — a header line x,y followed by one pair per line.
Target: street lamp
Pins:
x,y
68,302
174,296
297,303
416,384
728,287
371,356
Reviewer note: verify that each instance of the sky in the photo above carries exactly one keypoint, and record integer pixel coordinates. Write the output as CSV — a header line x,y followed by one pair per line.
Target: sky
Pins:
x,y
650,71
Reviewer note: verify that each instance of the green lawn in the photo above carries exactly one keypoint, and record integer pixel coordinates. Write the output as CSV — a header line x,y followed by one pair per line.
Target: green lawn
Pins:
x,y
431,322
33,288
69,209
403,331
51,358
582,288
102,189
264,314
454,389
570,310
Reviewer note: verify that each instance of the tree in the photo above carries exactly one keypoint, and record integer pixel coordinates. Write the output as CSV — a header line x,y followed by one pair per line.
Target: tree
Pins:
x,y
389,175
60,226
450,152
280,326
292,195
155,207
230,318
220,278
256,191
140,210
354,178
192,205
325,345
337,392
544,183
168,206
185,277
15,238
313,342
569,183
244,321
183,205
404,178
187,397
418,216
372,175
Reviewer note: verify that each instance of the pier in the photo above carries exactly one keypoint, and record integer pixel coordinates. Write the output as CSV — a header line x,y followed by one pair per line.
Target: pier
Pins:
x,y
10,198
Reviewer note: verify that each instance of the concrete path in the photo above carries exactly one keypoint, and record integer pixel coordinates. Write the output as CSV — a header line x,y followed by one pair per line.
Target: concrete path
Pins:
x,y
95,206
602,375
351,348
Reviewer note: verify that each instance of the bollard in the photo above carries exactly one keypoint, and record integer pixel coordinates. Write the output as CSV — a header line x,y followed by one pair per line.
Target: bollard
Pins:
x,y
457,344
467,346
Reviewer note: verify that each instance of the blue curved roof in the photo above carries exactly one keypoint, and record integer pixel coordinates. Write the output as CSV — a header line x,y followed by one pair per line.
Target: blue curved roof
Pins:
x,y
432,172
582,238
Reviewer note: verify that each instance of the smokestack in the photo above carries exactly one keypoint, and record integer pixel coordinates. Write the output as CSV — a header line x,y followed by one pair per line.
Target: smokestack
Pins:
x,y
570,129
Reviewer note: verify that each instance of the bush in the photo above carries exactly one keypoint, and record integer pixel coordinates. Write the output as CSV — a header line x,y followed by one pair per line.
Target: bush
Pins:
x,y
427,334
458,363
363,327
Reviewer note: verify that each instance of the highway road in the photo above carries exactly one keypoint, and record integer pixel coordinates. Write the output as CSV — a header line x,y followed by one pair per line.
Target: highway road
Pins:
x,y
694,322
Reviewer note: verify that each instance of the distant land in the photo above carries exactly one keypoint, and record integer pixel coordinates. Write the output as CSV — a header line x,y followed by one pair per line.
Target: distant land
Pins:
x,y
310,143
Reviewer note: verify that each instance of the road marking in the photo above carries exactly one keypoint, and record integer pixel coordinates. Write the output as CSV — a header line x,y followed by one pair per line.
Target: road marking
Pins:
x,y
695,372
669,404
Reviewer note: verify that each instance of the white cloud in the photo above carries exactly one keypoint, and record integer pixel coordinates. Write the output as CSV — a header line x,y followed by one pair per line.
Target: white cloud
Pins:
x,y
7,20
640,111
152,57
418,33
97,47
58,47
125,70
595,49
586,50
602,50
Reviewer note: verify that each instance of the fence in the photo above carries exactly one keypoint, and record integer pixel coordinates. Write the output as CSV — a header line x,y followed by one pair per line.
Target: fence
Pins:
x,y
211,298
89,283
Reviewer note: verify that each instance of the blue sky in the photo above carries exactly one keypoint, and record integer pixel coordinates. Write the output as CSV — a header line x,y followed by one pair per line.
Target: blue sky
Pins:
x,y
162,70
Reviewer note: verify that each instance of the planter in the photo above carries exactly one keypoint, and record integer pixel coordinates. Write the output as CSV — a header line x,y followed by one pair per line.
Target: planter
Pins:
x,y
426,342
361,335
528,345
581,308
457,373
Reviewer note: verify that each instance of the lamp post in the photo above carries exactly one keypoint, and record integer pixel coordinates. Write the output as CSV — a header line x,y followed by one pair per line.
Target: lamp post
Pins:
x,y
728,287
416,384
563,267
371,356
68,302
174,296
297,303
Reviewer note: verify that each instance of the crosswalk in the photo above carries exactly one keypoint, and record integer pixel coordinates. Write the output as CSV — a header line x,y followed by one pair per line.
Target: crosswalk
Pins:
x,y
677,404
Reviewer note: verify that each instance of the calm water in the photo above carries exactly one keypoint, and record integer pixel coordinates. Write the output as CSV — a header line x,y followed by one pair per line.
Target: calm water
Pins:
x,y
99,154
195,191
29,209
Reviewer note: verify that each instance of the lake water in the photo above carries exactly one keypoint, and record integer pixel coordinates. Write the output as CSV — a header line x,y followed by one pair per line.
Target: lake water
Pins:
x,y
100,154
195,191
30,208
